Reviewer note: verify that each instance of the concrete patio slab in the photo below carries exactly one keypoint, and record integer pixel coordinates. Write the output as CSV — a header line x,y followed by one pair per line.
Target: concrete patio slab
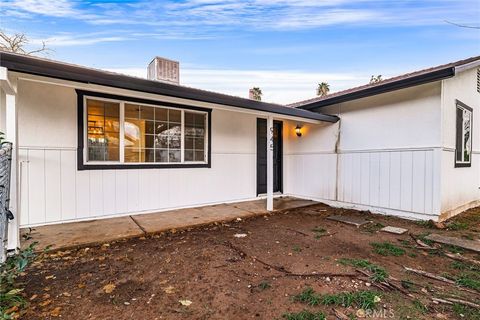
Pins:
x,y
69,235
393,230
473,245
177,219
349,220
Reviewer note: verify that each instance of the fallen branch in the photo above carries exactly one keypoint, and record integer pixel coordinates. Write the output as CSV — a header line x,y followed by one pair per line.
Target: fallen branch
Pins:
x,y
299,232
324,274
459,301
430,275
340,315
461,258
281,269
421,243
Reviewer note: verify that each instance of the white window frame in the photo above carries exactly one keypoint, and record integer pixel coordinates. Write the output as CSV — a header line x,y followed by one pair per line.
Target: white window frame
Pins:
x,y
466,110
122,162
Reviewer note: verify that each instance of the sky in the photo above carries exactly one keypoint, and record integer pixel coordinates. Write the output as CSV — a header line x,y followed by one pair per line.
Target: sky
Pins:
x,y
284,47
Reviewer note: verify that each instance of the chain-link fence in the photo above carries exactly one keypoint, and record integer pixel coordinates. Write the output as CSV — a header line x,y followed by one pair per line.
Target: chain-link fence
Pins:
x,y
5,213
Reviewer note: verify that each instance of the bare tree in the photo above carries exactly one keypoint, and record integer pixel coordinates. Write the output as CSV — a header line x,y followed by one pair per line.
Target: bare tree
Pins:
x,y
256,93
323,89
17,43
376,79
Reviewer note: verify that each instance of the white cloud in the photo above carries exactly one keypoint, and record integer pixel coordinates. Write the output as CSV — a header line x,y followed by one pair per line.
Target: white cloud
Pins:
x,y
278,86
218,15
67,40
58,8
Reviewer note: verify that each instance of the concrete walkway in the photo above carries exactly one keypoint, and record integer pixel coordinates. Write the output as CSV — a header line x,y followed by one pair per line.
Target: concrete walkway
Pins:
x,y
85,233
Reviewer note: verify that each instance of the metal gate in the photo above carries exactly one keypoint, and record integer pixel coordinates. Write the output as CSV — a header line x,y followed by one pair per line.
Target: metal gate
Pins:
x,y
5,213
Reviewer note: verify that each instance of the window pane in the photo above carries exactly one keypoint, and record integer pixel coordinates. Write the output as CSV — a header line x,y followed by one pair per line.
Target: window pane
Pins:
x,y
459,136
132,111
161,142
103,127
133,133
466,135
189,155
139,133
174,142
161,155
189,141
174,116
174,156
195,134
147,113
161,114
199,143
132,155
150,127
149,141
199,155
161,128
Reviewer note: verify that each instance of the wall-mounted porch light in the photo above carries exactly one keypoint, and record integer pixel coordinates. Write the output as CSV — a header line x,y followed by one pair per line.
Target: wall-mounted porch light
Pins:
x,y
298,130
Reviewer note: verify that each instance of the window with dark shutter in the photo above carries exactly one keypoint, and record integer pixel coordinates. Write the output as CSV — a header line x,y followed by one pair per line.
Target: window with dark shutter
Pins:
x,y
463,141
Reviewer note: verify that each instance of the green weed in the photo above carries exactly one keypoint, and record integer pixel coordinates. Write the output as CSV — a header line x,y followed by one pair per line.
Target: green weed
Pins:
x,y
10,294
304,315
319,232
387,249
379,274
457,226
361,299
466,312
264,285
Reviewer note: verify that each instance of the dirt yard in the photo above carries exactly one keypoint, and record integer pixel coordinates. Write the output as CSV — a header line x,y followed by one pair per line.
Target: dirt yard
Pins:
x,y
266,272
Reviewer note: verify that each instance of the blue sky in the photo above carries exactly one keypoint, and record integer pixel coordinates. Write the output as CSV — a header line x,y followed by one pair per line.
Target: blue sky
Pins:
x,y
285,47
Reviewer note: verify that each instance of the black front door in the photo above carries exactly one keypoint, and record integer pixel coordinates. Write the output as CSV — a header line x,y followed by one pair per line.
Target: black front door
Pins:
x,y
262,156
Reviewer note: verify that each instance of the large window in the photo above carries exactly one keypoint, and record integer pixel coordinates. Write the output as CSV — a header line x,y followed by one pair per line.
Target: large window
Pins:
x,y
122,132
463,148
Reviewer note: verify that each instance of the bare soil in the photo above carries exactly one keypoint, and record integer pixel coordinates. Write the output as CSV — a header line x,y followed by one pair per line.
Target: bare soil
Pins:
x,y
226,277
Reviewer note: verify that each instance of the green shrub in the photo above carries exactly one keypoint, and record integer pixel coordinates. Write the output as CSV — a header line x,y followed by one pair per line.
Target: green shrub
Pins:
x,y
10,294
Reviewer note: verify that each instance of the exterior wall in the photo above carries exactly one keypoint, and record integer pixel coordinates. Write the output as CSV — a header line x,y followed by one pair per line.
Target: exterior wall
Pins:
x,y
310,160
460,186
389,152
52,190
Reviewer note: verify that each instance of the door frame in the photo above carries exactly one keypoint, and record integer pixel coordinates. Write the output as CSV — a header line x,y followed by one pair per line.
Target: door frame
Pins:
x,y
280,160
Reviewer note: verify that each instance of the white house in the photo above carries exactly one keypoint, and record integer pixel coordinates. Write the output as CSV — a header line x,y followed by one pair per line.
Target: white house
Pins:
x,y
91,144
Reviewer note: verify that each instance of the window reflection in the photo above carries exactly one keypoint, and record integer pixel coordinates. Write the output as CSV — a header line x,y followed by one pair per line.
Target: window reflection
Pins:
x,y
103,120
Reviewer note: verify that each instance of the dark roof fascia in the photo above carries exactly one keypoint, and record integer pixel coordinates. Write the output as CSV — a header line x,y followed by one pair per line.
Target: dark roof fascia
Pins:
x,y
387,87
58,70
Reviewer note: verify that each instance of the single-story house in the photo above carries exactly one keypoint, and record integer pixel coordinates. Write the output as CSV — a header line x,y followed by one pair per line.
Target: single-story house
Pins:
x,y
90,144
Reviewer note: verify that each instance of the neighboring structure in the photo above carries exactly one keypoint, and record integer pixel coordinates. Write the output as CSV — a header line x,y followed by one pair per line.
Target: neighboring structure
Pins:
x,y
92,144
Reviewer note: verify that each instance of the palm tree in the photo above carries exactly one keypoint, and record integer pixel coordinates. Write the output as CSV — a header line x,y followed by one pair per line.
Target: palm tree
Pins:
x,y
323,89
256,93
376,79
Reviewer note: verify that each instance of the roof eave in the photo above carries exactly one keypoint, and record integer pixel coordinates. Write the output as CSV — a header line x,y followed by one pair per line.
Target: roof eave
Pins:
x,y
57,70
383,88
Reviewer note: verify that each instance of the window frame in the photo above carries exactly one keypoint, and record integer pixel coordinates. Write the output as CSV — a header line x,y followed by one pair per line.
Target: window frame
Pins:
x,y
82,135
463,106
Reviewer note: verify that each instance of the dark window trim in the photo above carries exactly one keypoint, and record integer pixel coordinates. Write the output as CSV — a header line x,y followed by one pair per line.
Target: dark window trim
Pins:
x,y
80,134
463,164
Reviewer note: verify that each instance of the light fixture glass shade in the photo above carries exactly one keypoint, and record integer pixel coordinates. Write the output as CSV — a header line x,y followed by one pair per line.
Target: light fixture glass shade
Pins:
x,y
298,131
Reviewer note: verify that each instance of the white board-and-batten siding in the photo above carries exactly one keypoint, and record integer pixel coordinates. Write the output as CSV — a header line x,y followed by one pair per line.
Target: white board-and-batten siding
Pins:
x,y
52,190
